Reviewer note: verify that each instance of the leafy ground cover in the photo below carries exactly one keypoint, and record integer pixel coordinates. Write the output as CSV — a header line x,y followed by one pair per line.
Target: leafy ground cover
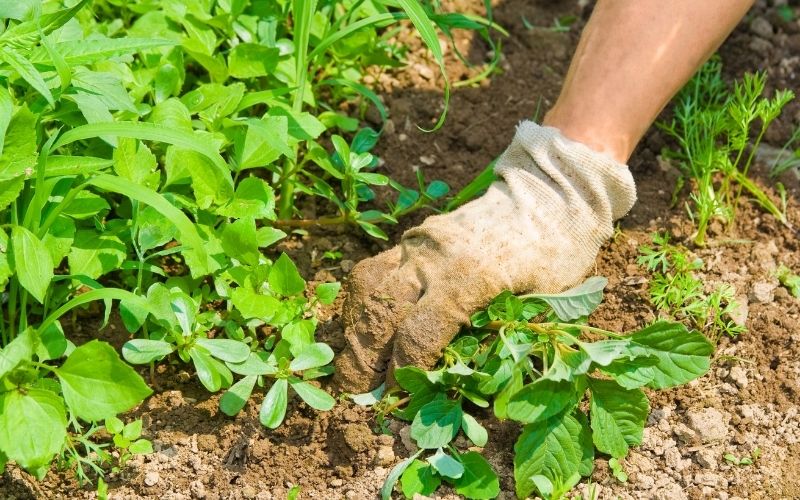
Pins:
x,y
746,402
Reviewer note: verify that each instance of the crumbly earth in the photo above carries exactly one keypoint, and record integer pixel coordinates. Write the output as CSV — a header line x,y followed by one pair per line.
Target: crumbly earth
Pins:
x,y
749,400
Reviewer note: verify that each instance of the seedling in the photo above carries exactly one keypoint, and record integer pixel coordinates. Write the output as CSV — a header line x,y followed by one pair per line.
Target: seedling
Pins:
x,y
533,359
675,289
788,279
734,460
712,126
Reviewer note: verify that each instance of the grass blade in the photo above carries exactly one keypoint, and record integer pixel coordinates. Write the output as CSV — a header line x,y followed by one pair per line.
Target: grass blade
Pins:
x,y
28,73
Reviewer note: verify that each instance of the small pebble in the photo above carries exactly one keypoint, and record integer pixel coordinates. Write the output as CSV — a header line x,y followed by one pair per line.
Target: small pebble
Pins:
x,y
151,478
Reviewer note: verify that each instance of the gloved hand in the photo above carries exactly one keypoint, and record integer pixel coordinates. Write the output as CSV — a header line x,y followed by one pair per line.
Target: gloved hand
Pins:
x,y
537,230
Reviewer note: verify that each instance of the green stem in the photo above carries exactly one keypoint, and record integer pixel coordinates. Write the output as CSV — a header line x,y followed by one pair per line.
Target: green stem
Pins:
x,y
304,223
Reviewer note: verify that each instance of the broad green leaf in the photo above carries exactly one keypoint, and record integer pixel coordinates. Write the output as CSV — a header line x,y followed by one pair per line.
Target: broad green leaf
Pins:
x,y
474,430
19,148
274,407
239,241
541,400
86,205
436,424
212,374
114,425
554,449
419,479
632,373
618,416
267,235
106,88
254,305
31,261
253,365
155,229
133,430
327,292
20,349
479,481
236,397
6,112
576,302
141,447
502,398
253,198
251,60
394,475
59,238
52,343
313,396
284,277
10,190
683,355
262,142
437,189
94,255
369,398
446,465
312,356
229,350
210,186
97,384
32,426
603,352
134,161
302,126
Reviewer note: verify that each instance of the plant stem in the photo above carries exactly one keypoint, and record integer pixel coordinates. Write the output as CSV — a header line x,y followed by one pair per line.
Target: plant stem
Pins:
x,y
302,223
551,327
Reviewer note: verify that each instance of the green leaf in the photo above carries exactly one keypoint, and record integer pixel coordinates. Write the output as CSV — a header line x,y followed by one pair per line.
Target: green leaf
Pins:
x,y
91,50
97,384
312,356
253,365
419,479
236,397
6,112
141,447
27,71
253,198
32,426
114,425
262,142
313,396
134,161
59,238
618,416
251,60
133,430
20,349
94,255
682,355
155,229
603,352
254,305
554,449
394,475
274,407
474,430
541,400
479,481
229,350
284,277
446,465
266,236
576,302
32,262
437,189
436,424
327,292
52,343
212,374
632,373
239,241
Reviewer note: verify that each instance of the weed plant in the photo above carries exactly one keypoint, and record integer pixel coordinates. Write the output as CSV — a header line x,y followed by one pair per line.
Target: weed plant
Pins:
x,y
152,153
676,291
575,389
718,132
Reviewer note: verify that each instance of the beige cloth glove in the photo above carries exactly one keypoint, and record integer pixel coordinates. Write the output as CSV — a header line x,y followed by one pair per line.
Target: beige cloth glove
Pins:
x,y
537,230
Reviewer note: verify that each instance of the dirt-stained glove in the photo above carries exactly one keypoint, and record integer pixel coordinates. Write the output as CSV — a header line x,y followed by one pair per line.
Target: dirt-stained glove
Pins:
x,y
537,230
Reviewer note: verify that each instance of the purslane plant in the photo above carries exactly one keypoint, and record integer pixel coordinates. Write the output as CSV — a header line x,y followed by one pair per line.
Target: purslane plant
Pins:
x,y
576,390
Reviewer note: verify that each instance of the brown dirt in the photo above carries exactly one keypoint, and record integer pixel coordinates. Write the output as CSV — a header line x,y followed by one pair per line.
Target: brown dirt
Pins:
x,y
748,400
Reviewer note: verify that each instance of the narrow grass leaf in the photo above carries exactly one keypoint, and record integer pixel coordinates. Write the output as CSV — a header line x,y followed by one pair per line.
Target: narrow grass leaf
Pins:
x,y
27,71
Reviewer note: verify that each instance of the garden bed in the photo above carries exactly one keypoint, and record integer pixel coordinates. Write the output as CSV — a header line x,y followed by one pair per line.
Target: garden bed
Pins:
x,y
748,401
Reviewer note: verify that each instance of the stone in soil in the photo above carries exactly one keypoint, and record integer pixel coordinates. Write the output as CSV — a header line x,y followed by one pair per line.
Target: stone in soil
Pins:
x,y
709,424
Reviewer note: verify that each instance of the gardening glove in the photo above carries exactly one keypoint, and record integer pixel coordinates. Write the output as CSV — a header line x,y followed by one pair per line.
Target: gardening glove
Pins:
x,y
538,229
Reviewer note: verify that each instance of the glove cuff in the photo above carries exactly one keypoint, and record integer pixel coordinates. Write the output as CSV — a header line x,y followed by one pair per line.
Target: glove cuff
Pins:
x,y
568,167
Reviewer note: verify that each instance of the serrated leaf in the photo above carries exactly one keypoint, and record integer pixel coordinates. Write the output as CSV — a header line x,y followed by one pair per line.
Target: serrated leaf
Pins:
x,y
436,424
97,384
682,355
617,415
32,426
576,302
21,348
94,255
554,449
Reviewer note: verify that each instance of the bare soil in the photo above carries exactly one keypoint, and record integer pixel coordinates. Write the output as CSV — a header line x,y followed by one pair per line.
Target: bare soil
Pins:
x,y
748,401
